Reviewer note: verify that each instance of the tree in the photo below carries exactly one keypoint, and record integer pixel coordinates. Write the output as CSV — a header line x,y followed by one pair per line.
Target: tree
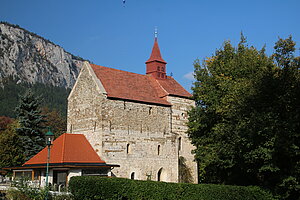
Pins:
x,y
11,87
55,121
287,107
31,130
11,153
246,121
4,122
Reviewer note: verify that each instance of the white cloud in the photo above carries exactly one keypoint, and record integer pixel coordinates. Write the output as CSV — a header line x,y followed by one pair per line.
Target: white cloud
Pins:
x,y
189,76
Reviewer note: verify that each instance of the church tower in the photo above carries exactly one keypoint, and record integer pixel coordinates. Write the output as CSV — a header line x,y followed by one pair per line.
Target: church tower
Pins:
x,y
156,65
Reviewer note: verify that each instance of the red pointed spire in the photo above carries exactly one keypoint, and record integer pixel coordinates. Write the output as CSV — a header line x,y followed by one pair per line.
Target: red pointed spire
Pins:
x,y
156,65
155,54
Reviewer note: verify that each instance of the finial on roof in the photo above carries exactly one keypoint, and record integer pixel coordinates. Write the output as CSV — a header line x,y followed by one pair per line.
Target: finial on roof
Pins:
x,y
155,32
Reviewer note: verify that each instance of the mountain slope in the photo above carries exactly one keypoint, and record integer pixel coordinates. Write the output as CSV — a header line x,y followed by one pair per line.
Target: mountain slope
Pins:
x,y
30,58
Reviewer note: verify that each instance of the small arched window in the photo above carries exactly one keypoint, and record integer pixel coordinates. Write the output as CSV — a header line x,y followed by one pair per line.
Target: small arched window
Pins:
x,y
128,149
150,110
158,68
158,150
179,144
132,176
162,69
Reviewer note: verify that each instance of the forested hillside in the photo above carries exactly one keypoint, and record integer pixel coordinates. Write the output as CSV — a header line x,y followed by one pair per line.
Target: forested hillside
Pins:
x,y
54,98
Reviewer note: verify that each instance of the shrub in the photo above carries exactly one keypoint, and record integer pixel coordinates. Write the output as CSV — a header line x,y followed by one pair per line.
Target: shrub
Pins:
x,y
23,191
88,188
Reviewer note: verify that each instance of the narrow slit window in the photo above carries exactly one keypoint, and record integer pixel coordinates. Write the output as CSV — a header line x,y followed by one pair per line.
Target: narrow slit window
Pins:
x,y
179,144
128,149
95,125
158,150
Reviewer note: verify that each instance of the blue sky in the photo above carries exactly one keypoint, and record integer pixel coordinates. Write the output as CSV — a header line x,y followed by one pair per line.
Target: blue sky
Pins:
x,y
113,34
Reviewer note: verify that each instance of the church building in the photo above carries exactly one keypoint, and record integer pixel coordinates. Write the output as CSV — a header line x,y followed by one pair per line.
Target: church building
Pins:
x,y
136,121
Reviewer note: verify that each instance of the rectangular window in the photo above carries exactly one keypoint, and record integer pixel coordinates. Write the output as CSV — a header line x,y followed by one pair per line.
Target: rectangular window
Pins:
x,y
23,174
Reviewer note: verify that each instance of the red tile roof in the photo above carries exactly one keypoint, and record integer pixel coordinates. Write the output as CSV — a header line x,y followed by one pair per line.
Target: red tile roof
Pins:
x,y
67,148
137,87
172,87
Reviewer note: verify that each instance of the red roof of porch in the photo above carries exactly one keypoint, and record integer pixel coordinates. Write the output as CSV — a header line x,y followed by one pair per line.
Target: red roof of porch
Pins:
x,y
67,149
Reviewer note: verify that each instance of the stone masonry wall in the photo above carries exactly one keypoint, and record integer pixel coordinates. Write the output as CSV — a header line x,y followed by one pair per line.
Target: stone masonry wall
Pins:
x,y
180,106
84,105
137,136
133,133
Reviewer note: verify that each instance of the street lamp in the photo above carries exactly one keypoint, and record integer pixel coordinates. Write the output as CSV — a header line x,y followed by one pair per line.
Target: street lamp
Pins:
x,y
49,139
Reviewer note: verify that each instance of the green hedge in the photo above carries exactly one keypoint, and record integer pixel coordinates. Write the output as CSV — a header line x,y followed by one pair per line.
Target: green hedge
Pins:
x,y
89,187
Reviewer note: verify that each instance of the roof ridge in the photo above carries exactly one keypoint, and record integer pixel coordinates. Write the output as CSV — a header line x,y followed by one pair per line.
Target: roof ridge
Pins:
x,y
120,70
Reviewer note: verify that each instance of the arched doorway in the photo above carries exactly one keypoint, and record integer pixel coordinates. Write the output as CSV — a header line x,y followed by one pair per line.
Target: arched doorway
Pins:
x,y
162,175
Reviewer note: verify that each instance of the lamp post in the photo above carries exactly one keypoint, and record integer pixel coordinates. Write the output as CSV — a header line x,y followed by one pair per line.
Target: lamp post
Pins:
x,y
49,139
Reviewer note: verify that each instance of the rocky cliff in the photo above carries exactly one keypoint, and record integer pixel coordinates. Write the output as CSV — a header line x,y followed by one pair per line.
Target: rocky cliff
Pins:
x,y
30,58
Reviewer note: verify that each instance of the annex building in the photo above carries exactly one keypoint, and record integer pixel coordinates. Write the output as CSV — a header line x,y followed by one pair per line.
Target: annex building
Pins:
x,y
71,155
135,121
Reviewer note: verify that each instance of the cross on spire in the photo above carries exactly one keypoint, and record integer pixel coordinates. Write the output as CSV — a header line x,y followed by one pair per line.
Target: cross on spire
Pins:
x,y
155,32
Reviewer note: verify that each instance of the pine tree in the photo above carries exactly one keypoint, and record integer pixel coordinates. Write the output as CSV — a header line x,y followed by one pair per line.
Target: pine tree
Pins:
x,y
31,130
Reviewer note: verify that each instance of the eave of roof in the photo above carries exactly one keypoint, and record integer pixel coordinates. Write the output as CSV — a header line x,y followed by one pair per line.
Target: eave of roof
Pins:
x,y
63,165
143,102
